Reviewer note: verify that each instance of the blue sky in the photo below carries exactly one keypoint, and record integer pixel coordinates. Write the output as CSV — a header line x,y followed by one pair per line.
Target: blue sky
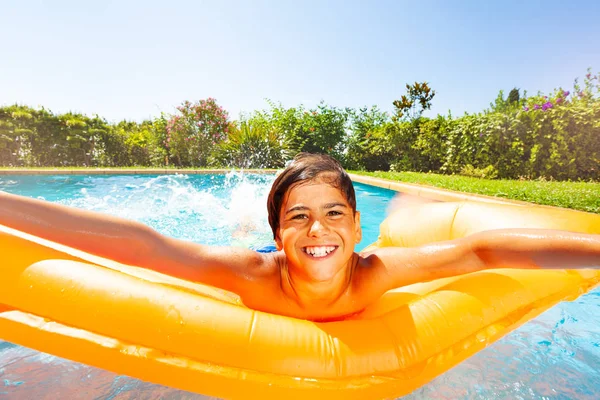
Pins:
x,y
133,59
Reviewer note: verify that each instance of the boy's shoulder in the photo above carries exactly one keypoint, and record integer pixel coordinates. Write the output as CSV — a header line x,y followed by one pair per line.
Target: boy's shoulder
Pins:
x,y
271,264
374,269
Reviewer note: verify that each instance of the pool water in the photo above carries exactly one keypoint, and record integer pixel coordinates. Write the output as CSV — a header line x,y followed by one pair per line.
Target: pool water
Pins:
x,y
554,356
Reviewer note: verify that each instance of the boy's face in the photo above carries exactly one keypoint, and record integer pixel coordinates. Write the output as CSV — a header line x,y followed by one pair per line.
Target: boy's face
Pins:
x,y
318,230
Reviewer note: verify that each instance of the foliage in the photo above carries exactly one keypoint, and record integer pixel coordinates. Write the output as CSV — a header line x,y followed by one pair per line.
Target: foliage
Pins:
x,y
323,129
417,100
286,121
553,136
488,172
157,149
364,135
253,144
431,141
513,96
38,138
193,133
513,102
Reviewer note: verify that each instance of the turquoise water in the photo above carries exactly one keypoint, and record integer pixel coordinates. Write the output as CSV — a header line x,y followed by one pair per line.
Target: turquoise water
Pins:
x,y
554,356
211,209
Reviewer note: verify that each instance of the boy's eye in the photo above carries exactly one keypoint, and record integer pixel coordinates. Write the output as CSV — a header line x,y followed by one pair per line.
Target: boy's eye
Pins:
x,y
299,216
334,213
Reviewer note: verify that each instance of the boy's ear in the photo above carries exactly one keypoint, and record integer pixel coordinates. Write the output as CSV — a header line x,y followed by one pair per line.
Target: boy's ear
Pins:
x,y
358,229
278,243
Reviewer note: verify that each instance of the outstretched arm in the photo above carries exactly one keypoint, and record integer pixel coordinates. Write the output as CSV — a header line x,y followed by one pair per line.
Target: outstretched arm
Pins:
x,y
133,243
508,248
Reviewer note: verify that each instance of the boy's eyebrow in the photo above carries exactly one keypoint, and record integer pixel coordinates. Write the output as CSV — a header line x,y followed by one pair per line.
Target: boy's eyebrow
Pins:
x,y
326,206
297,208
331,205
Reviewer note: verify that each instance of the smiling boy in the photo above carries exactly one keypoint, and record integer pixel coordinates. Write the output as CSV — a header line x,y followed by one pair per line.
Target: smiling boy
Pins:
x,y
315,274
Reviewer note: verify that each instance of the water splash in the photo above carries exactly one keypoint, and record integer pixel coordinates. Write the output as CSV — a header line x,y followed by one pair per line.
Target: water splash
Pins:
x,y
219,210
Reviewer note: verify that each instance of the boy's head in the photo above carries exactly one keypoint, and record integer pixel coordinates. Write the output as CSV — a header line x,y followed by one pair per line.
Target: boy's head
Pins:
x,y
307,167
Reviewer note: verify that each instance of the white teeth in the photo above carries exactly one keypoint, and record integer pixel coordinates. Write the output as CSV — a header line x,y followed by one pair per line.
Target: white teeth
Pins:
x,y
319,251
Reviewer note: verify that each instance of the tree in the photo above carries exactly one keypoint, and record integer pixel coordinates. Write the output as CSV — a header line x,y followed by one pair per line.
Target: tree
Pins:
x,y
417,100
514,96
192,135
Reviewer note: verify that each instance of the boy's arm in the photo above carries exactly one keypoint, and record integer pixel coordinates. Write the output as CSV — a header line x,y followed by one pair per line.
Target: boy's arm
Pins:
x,y
394,267
133,243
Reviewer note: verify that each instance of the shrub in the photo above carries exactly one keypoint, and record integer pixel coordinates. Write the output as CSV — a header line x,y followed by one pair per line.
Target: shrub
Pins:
x,y
193,133
488,172
251,144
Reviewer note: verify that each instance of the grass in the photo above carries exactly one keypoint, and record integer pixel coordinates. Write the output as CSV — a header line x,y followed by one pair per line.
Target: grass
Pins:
x,y
583,196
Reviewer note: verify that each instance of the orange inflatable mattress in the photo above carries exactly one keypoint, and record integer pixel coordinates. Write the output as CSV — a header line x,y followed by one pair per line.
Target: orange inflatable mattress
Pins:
x,y
156,328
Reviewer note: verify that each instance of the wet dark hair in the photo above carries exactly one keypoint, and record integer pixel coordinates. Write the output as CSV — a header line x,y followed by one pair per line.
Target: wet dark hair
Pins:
x,y
306,167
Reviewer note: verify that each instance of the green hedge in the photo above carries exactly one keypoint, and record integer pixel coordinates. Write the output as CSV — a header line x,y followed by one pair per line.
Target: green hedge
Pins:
x,y
552,137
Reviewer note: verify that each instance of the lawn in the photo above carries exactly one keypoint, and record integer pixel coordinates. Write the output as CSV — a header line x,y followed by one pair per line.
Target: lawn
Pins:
x,y
584,196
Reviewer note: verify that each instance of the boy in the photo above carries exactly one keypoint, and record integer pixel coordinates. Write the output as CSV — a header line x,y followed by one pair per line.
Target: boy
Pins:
x,y
315,274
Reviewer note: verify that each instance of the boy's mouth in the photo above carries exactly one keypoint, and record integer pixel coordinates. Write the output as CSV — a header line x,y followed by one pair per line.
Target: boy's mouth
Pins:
x,y
319,251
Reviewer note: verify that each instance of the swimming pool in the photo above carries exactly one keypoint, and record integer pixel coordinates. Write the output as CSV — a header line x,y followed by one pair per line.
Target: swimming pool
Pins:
x,y
553,356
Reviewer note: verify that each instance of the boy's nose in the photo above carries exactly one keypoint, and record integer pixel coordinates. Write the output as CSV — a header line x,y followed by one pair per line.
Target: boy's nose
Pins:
x,y
317,228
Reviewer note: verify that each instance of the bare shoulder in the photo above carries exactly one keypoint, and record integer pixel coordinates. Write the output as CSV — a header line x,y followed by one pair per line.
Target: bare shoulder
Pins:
x,y
382,259
261,288
382,269
236,269
369,274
